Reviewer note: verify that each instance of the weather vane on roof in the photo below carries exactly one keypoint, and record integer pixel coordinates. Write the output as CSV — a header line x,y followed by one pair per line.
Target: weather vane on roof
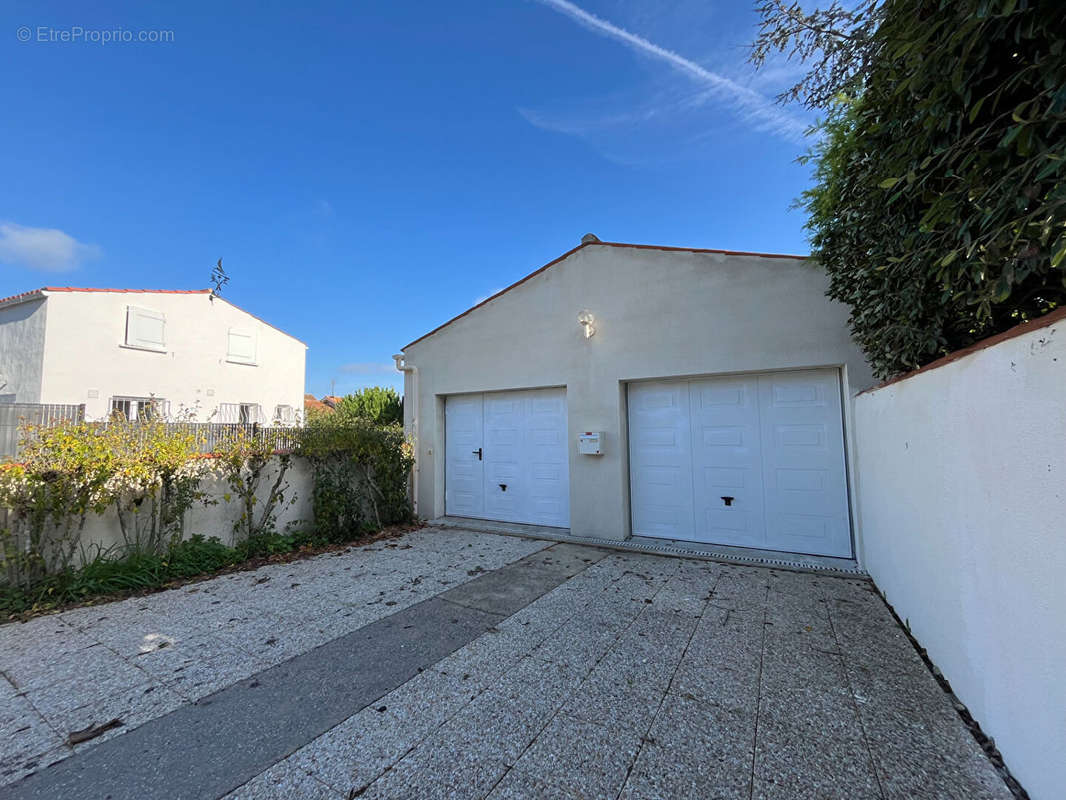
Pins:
x,y
219,278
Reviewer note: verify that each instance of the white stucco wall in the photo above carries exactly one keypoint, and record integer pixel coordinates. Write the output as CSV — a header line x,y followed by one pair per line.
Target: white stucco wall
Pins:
x,y
22,329
102,530
84,354
659,313
962,500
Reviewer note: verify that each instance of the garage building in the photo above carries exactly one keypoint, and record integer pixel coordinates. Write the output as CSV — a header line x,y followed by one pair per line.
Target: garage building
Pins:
x,y
657,393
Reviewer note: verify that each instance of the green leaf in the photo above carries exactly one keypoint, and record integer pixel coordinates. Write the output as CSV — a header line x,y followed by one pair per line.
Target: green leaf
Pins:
x,y
888,183
1003,288
1059,255
977,108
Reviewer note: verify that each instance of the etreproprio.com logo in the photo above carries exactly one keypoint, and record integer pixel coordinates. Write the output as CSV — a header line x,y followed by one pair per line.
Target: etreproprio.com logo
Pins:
x,y
77,34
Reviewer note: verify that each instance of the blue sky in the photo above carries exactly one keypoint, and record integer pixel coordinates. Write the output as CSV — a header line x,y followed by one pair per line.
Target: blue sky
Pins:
x,y
369,170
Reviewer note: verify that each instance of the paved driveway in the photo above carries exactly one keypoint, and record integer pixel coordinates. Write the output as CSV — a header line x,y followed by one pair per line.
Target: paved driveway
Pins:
x,y
457,664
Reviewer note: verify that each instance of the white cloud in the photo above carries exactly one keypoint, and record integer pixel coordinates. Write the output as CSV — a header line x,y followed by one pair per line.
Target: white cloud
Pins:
x,y
45,249
748,104
368,368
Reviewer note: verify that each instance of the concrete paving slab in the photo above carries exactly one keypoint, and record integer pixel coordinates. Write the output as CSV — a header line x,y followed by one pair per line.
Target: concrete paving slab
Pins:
x,y
284,781
24,733
671,659
811,743
131,707
694,750
579,759
440,769
507,590
22,766
267,717
599,700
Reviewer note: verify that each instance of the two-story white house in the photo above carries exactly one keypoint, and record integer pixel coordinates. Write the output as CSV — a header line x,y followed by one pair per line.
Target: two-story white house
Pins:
x,y
182,354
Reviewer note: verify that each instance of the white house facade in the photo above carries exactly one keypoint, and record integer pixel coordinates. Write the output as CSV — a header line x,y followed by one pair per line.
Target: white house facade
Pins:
x,y
700,396
181,354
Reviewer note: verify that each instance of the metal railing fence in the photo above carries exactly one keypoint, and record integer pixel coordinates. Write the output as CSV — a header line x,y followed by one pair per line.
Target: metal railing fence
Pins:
x,y
211,435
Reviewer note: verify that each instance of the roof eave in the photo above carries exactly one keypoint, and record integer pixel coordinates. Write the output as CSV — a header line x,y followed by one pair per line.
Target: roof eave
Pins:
x,y
24,297
570,252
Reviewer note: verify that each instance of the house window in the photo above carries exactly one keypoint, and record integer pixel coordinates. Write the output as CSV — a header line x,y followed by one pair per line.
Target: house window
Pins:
x,y
240,348
243,413
145,329
138,408
284,415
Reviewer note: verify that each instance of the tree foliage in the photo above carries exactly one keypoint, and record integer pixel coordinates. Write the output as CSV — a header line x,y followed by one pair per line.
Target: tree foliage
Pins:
x,y
939,205
379,404
838,40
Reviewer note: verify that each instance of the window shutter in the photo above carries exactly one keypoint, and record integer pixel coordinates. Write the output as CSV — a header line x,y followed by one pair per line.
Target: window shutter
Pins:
x,y
241,347
145,328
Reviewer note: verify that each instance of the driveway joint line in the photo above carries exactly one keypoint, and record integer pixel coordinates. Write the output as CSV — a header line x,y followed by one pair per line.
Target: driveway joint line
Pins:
x,y
670,683
558,710
758,695
875,767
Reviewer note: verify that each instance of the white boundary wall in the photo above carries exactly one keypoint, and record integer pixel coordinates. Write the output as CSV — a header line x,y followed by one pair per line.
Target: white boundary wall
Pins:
x,y
217,520
962,497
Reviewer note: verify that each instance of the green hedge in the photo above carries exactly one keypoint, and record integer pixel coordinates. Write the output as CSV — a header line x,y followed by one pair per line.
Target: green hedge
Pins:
x,y
360,474
939,210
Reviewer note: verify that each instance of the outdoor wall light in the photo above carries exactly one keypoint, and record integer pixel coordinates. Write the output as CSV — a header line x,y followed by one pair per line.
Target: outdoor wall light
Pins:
x,y
586,319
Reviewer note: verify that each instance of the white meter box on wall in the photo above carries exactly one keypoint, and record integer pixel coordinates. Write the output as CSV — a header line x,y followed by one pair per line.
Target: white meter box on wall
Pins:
x,y
590,443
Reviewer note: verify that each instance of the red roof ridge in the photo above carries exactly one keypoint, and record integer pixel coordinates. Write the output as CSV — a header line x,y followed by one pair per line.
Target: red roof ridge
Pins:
x,y
123,291
87,289
595,243
27,295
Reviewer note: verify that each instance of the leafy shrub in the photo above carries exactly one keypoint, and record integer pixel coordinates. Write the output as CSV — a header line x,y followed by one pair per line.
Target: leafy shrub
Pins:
x,y
379,404
197,555
245,460
939,210
360,474
151,475
145,471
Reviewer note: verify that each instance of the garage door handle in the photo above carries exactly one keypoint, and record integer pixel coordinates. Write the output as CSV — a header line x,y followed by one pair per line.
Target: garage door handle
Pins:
x,y
477,453
728,500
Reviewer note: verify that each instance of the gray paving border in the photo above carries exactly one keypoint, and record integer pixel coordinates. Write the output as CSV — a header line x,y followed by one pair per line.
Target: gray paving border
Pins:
x,y
209,748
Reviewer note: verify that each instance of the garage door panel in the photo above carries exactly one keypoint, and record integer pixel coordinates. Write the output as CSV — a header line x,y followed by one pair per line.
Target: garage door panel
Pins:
x,y
667,521
523,476
764,466
797,440
724,478
806,484
661,460
793,479
725,457
464,488
801,526
731,526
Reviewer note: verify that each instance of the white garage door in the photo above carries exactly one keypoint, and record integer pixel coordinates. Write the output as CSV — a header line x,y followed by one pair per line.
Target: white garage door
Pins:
x,y
507,457
749,460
